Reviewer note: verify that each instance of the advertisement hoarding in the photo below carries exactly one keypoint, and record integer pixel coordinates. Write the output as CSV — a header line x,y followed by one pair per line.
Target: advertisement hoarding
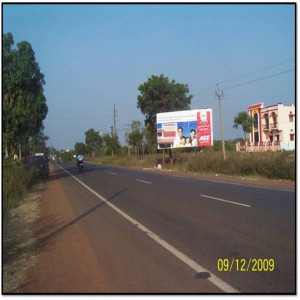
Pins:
x,y
188,128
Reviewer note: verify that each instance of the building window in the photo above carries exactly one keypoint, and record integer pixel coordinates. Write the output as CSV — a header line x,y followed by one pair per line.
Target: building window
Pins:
x,y
291,118
266,120
256,121
292,137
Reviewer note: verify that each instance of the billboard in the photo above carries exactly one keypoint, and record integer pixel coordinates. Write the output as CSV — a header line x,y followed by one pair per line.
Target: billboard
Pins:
x,y
188,128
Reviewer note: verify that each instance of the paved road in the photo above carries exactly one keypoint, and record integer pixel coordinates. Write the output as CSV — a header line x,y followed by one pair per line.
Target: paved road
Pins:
x,y
160,233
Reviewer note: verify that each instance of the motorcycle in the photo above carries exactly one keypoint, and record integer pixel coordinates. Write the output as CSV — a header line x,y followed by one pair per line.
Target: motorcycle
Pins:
x,y
80,166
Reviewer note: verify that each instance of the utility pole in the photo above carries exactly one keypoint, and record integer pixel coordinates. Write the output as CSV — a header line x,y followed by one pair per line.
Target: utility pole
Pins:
x,y
127,137
115,121
221,121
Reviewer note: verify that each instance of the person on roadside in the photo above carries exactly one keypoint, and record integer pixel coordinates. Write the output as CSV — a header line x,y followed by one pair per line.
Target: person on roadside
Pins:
x,y
79,159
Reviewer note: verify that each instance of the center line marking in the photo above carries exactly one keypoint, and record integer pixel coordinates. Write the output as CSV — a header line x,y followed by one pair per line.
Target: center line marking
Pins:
x,y
223,200
218,282
143,181
113,173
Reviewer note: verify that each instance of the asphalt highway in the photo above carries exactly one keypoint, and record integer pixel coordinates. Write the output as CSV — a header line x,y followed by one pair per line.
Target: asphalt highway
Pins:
x,y
159,233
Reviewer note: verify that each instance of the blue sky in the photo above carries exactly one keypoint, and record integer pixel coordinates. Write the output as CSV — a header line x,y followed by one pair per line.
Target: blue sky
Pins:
x,y
95,56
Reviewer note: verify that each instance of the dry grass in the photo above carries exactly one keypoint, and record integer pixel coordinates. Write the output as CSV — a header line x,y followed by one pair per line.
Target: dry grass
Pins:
x,y
275,165
19,243
16,179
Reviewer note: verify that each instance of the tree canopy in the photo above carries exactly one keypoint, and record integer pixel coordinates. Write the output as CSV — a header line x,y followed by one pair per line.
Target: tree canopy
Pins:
x,y
93,141
136,136
24,103
243,119
112,144
157,95
80,148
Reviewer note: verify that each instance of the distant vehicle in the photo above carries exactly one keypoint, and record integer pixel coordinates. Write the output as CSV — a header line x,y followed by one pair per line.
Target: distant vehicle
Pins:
x,y
80,166
39,154
39,166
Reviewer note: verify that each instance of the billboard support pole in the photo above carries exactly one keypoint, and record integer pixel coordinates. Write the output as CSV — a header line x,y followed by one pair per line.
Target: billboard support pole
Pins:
x,y
171,158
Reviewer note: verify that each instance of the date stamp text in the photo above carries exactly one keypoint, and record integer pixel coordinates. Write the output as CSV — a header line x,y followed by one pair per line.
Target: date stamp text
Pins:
x,y
246,265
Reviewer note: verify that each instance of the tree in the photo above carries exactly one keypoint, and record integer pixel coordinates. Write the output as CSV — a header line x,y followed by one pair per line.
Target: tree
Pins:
x,y
24,103
158,95
93,141
38,143
245,121
80,148
150,139
135,137
112,144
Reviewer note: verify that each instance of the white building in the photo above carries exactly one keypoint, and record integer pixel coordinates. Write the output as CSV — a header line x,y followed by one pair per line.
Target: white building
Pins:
x,y
273,128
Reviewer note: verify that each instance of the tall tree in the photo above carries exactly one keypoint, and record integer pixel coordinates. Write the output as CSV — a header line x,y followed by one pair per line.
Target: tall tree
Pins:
x,y
158,95
24,103
112,144
93,141
38,143
80,148
135,137
243,119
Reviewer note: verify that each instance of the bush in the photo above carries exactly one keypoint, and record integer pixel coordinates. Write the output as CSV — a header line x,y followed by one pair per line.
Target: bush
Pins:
x,y
268,165
15,181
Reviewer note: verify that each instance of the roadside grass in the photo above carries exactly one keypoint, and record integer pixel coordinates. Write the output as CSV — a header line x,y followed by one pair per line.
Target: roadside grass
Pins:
x,y
269,165
16,179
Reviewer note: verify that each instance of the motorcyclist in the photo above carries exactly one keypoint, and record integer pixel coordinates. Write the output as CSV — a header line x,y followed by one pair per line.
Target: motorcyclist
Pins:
x,y
79,159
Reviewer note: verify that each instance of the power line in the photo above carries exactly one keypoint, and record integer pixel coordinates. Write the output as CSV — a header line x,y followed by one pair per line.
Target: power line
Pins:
x,y
257,71
209,89
257,79
79,118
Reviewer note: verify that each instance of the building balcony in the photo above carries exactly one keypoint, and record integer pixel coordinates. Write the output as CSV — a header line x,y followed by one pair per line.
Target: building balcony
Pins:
x,y
265,127
273,125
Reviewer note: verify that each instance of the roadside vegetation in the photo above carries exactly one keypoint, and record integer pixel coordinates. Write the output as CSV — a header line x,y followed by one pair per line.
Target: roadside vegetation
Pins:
x,y
24,108
276,165
16,179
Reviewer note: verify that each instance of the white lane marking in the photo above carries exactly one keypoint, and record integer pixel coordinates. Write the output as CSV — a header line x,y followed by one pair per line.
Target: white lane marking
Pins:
x,y
225,287
235,183
143,181
112,173
223,200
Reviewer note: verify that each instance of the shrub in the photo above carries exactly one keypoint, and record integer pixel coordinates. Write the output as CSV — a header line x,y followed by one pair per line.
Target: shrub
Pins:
x,y
15,181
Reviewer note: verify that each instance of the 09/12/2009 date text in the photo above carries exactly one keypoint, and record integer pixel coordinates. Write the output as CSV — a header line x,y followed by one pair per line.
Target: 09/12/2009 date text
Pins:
x,y
246,265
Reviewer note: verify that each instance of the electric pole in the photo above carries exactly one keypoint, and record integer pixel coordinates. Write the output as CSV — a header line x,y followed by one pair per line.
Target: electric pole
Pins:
x,y
221,121
115,121
127,137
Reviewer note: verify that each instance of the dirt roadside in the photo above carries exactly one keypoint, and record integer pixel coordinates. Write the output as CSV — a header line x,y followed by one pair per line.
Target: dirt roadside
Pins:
x,y
53,255
45,250
19,242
